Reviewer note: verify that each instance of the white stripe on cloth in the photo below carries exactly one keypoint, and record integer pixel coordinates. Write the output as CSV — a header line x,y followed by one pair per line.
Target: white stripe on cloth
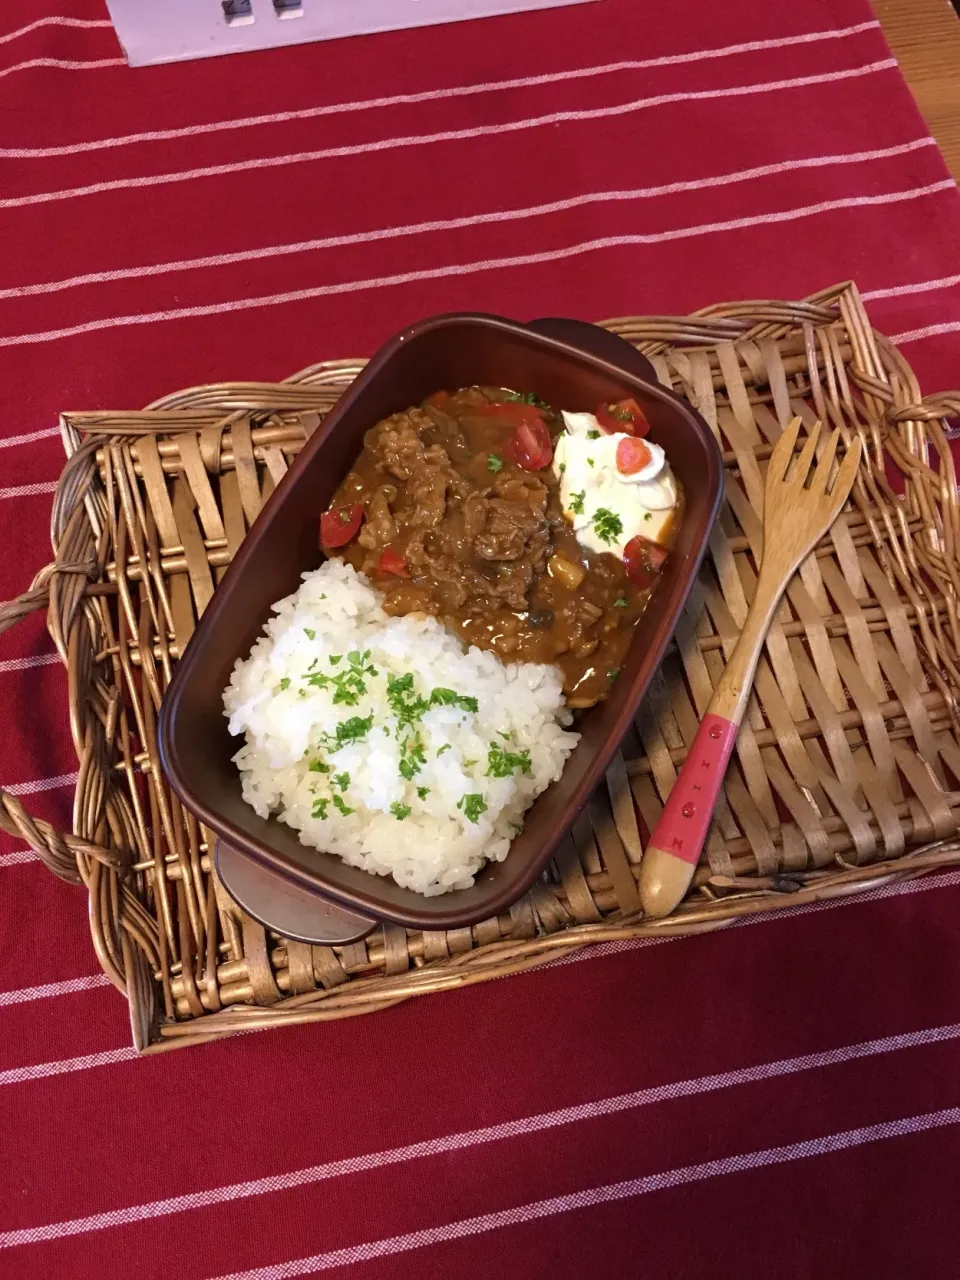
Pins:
x,y
55,22
28,490
8,442
470,268
904,290
41,1070
434,95
930,331
61,64
448,135
24,664
41,784
490,218
48,990
589,1198
17,858
476,1137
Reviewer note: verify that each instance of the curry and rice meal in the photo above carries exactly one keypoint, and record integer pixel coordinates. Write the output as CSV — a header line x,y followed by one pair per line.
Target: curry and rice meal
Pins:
x,y
488,558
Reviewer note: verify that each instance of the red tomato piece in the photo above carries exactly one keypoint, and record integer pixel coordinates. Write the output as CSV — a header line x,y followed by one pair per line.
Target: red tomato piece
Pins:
x,y
623,415
340,524
643,560
393,561
439,399
529,446
516,411
632,456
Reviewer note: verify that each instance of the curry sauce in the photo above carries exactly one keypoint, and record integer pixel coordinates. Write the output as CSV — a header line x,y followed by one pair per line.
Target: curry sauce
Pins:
x,y
452,509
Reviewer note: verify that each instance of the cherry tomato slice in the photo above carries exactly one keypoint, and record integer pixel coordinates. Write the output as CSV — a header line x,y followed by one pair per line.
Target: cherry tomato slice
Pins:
x,y
624,415
340,524
393,561
529,446
632,456
516,411
643,560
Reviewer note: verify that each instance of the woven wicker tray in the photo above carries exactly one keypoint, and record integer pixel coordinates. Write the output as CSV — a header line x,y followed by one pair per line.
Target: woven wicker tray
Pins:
x,y
847,771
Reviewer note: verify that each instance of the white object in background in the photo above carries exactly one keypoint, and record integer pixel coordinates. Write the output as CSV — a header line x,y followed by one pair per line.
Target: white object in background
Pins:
x,y
154,31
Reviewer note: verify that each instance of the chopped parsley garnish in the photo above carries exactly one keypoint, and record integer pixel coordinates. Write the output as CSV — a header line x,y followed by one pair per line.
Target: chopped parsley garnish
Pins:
x,y
400,811
502,764
449,698
590,462
349,684
613,673
423,792
317,766
593,435
576,502
648,516
348,689
412,756
309,633
621,602
341,780
406,705
320,809
608,525
527,397
494,463
446,747
618,412
336,657
339,804
472,805
353,730
285,682
563,467
443,697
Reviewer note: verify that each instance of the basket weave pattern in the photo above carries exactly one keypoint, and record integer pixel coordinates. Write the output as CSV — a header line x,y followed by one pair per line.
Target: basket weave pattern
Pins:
x,y
847,769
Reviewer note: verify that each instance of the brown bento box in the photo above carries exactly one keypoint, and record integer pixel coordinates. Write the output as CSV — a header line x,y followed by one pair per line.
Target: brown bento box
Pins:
x,y
565,362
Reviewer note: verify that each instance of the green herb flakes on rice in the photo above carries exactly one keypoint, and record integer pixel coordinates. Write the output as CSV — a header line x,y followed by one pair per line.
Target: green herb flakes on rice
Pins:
x,y
381,740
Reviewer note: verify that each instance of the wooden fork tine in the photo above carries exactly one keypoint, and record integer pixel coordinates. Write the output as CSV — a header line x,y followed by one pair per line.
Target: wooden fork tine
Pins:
x,y
845,477
821,476
805,460
783,451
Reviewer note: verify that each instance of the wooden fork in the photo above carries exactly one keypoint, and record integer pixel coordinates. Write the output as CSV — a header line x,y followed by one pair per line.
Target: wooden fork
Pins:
x,y
797,511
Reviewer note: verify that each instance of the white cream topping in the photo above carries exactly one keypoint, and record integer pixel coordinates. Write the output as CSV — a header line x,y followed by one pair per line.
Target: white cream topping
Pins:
x,y
586,465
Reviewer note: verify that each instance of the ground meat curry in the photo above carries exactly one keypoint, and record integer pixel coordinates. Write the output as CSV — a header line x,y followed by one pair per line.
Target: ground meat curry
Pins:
x,y
452,509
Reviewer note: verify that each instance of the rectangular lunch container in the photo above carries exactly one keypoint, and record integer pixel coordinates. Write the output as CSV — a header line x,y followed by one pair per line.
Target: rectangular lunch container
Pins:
x,y
571,365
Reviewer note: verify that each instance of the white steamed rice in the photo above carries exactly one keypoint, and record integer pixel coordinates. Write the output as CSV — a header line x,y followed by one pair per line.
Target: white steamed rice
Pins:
x,y
431,831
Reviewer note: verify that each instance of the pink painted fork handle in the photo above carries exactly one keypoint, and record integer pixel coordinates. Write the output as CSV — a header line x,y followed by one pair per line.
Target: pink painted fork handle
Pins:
x,y
674,849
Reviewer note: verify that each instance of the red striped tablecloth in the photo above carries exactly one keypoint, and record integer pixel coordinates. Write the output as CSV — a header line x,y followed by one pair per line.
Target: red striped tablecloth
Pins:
x,y
777,1099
